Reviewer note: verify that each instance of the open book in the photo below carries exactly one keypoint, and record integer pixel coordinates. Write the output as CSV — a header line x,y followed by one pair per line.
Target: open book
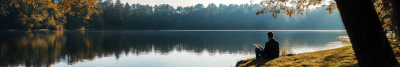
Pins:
x,y
258,46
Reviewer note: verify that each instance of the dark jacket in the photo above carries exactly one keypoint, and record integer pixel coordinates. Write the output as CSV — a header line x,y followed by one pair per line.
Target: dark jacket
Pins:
x,y
271,49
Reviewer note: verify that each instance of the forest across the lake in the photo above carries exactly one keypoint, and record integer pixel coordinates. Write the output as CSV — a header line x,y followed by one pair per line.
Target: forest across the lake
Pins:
x,y
116,15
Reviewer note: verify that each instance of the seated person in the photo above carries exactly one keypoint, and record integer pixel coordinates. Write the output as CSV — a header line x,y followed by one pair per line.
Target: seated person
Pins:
x,y
271,49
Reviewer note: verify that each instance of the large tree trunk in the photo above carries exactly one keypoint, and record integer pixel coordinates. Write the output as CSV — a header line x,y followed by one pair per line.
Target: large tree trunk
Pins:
x,y
369,41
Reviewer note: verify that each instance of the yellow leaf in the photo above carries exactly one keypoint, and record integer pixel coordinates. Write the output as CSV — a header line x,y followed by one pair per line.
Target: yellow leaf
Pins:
x,y
16,5
11,3
72,13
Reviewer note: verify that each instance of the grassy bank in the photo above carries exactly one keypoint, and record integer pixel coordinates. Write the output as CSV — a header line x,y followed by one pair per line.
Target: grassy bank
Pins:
x,y
343,56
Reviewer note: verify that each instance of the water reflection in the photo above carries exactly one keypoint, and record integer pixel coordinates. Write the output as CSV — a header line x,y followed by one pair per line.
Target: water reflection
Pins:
x,y
344,41
45,48
31,49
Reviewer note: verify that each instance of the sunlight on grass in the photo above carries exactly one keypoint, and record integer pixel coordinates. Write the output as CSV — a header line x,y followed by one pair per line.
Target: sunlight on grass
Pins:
x,y
343,56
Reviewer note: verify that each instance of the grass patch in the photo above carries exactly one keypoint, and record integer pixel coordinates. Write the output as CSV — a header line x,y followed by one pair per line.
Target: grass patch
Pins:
x,y
343,56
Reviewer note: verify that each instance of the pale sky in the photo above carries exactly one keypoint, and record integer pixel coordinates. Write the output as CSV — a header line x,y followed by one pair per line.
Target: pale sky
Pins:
x,y
184,3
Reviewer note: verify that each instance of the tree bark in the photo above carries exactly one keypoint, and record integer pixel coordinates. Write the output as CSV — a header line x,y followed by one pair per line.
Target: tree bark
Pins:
x,y
369,41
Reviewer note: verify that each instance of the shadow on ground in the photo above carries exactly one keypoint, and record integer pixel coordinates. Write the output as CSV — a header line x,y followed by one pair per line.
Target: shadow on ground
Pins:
x,y
252,62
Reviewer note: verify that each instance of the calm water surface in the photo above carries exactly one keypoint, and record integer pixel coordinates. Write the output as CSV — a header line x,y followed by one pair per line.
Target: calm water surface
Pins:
x,y
150,48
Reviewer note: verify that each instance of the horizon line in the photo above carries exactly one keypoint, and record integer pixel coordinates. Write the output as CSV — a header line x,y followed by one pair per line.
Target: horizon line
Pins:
x,y
252,30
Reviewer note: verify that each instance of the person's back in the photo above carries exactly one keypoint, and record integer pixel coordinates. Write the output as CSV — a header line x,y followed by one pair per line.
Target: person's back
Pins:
x,y
271,49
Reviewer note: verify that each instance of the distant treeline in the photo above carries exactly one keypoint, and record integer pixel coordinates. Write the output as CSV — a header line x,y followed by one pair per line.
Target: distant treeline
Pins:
x,y
135,16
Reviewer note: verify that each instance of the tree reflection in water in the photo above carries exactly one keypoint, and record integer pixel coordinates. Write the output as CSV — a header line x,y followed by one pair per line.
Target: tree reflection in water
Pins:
x,y
45,48
31,49
50,47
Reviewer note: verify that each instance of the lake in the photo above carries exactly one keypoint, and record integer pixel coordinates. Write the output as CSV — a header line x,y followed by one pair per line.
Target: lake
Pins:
x,y
152,48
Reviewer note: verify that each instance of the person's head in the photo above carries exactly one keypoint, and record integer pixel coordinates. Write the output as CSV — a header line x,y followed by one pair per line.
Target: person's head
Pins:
x,y
270,35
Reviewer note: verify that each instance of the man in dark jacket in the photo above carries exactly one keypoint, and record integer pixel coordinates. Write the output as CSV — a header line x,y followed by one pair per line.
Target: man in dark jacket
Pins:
x,y
271,49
